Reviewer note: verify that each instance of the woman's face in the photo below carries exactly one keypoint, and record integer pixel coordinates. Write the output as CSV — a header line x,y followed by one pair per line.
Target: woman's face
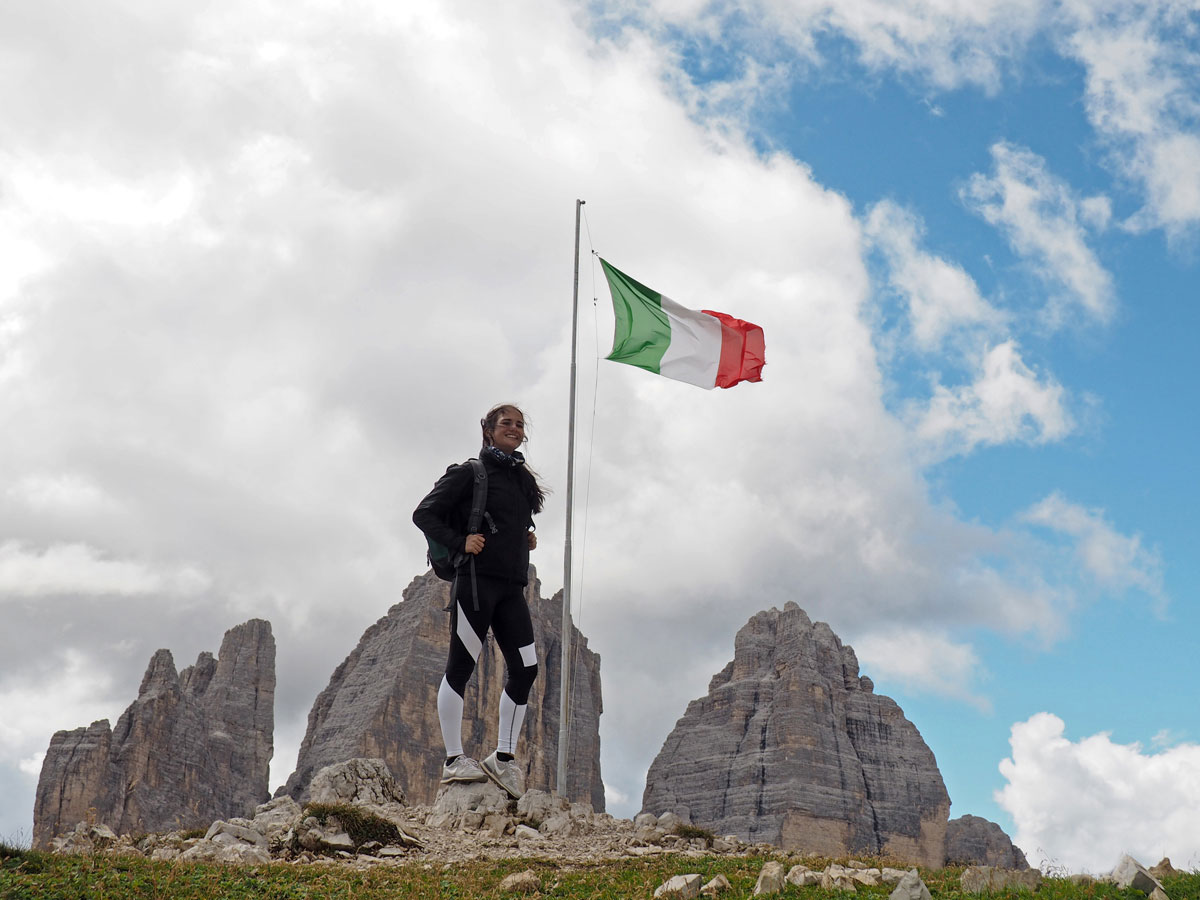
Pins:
x,y
509,433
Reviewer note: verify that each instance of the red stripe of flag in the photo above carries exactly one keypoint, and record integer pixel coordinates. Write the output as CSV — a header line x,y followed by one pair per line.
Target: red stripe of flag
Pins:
x,y
743,350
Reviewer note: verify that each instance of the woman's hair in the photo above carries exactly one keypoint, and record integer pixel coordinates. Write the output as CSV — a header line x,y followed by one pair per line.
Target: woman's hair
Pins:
x,y
533,486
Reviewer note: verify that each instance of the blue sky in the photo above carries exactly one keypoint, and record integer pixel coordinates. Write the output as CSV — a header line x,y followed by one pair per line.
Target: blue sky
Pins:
x,y
261,270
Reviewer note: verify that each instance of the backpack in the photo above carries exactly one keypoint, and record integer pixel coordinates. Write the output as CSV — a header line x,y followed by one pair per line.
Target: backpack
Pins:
x,y
445,564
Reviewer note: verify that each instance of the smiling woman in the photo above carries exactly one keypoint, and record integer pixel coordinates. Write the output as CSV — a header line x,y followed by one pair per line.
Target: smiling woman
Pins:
x,y
494,539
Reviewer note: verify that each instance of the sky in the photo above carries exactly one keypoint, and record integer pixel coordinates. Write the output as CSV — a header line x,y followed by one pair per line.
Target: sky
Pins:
x,y
264,266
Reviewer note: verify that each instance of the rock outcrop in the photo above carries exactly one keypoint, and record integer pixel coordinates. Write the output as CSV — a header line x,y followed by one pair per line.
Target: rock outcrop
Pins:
x,y
973,841
194,746
791,746
381,702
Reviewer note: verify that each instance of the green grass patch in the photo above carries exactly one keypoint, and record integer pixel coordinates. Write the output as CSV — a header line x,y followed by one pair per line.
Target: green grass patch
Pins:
x,y
31,875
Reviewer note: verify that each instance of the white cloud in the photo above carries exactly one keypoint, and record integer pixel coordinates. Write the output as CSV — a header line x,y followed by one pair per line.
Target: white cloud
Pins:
x,y
32,766
614,796
1081,805
68,493
1040,215
1115,561
1141,99
923,661
343,237
75,692
948,42
942,297
1006,402
80,569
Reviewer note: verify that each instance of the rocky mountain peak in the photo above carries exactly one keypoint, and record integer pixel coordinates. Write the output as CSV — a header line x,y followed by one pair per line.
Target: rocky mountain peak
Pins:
x,y
792,746
190,748
160,675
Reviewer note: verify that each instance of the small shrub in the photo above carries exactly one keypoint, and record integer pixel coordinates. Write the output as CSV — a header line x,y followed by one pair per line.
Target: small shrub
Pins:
x,y
362,826
690,832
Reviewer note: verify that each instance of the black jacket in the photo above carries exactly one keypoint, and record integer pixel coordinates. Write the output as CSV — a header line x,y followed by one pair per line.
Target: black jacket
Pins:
x,y
443,515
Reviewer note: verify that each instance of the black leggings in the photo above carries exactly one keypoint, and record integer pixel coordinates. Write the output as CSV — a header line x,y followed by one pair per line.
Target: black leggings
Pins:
x,y
502,607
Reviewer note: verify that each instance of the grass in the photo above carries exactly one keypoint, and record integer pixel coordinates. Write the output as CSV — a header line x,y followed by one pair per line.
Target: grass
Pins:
x,y
31,875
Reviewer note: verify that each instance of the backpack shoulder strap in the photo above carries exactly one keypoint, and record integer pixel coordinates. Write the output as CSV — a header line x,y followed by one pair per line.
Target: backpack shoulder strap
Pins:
x,y
478,496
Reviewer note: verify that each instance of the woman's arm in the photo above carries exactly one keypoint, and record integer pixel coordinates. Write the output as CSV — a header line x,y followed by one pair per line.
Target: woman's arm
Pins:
x,y
436,512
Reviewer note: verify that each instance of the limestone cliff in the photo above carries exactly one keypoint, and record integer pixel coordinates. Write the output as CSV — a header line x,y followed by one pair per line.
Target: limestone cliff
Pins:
x,y
381,702
792,747
194,746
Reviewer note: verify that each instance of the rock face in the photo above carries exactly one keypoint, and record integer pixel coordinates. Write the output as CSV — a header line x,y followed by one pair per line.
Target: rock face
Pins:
x,y
972,841
193,747
792,747
381,702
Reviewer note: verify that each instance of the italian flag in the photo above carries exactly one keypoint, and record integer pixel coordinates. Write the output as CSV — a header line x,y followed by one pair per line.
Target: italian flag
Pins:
x,y
705,348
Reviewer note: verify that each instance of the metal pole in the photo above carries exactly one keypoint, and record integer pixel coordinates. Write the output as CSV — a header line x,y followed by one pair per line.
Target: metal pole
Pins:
x,y
564,706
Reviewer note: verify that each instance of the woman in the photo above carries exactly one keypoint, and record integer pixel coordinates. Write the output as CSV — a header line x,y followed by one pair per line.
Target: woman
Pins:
x,y
495,597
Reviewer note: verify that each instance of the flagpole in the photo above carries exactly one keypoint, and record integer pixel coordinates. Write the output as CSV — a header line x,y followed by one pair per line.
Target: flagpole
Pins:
x,y
564,708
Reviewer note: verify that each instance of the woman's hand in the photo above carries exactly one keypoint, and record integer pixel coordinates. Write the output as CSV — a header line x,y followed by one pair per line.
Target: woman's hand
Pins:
x,y
532,541
474,544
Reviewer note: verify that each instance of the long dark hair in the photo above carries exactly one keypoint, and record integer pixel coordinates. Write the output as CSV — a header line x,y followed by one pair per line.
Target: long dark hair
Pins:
x,y
534,489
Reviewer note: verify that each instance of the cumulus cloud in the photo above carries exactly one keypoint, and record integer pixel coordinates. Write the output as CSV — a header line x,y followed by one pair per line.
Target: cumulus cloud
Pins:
x,y
923,660
1115,561
1082,804
1007,401
1040,215
286,261
941,296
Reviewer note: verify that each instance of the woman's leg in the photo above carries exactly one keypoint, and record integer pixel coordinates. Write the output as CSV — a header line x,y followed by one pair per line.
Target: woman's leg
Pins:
x,y
513,628
468,630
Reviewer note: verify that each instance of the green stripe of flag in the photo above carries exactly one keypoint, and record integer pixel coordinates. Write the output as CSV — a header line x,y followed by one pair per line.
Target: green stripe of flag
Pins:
x,y
643,331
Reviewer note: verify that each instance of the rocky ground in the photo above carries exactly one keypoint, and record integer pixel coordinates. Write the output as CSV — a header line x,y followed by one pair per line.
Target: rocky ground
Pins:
x,y
358,818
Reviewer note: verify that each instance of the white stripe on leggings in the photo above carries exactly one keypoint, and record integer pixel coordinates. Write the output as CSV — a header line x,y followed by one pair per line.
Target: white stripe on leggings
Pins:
x,y
467,635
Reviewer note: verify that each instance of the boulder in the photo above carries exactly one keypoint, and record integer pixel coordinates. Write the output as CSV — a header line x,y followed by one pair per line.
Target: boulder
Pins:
x,y
357,782
974,841
719,885
802,876
484,797
526,882
525,833
838,878
910,887
277,820
770,879
83,839
1131,873
679,887
535,807
237,830
792,747
1163,869
867,877
236,842
986,879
